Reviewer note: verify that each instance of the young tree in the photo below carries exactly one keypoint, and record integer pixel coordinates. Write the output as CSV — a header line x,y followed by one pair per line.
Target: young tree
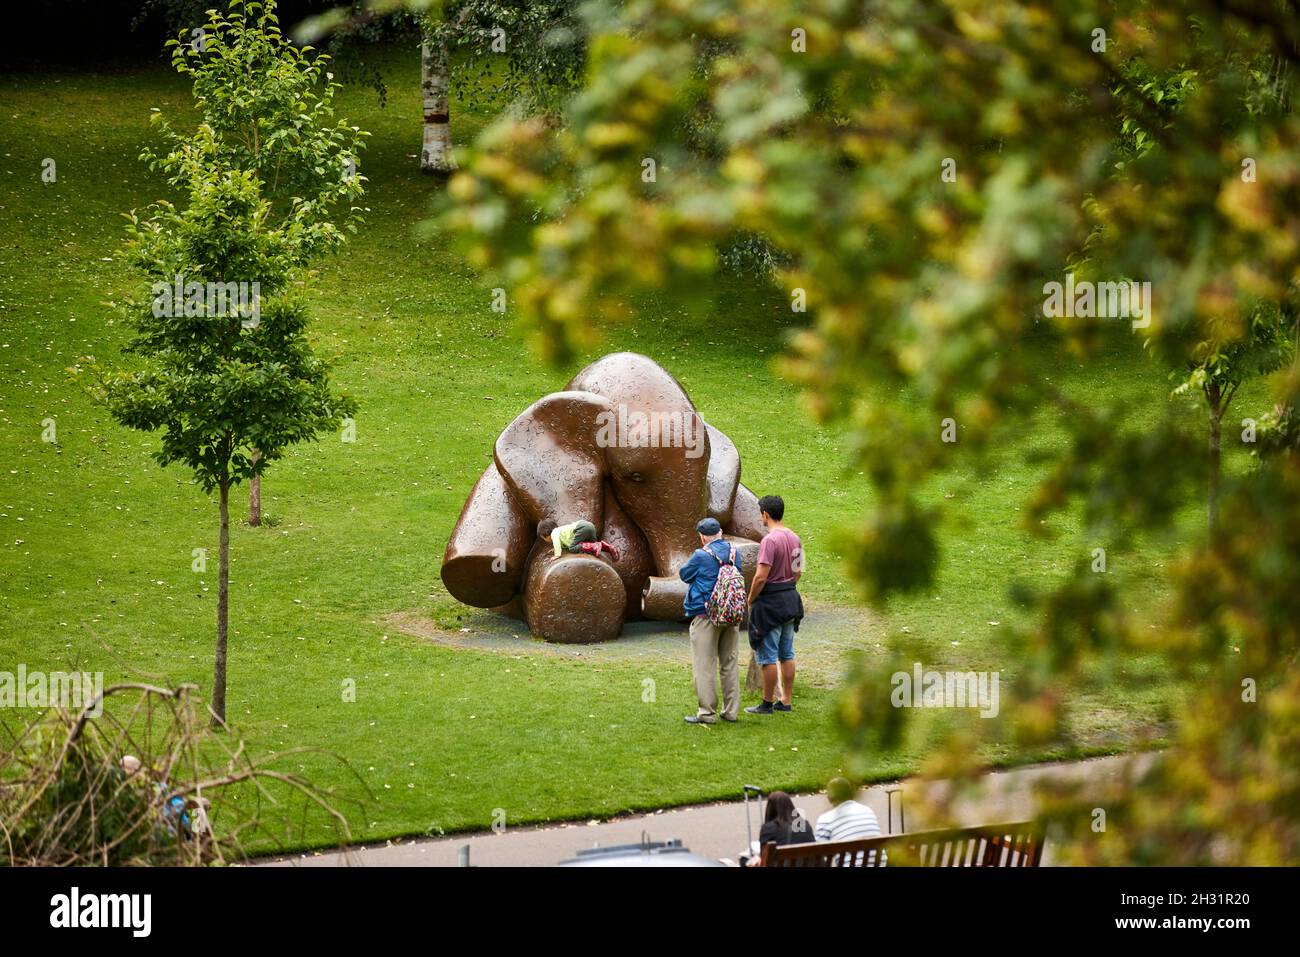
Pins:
x,y
1217,368
1226,350
352,31
225,369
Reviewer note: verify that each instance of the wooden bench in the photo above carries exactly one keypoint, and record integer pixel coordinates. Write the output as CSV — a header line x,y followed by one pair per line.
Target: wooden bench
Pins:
x,y
991,845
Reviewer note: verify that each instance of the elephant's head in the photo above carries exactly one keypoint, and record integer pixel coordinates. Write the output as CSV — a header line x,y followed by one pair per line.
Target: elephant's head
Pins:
x,y
657,451
623,421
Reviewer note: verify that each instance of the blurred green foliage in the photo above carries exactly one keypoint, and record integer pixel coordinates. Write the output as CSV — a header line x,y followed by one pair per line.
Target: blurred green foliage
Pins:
x,y
920,169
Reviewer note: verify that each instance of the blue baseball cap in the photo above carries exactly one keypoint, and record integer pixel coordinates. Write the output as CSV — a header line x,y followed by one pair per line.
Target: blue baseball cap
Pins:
x,y
708,526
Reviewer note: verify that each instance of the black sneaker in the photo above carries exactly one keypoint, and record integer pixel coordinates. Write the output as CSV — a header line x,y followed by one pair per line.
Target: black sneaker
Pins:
x,y
778,706
764,708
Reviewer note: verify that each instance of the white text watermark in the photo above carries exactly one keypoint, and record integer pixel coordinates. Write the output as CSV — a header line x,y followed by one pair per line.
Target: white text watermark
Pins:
x,y
654,429
1103,300
209,300
74,690
921,688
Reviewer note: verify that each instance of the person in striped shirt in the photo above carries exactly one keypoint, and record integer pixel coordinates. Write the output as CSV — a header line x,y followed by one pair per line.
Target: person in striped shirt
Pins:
x,y
847,820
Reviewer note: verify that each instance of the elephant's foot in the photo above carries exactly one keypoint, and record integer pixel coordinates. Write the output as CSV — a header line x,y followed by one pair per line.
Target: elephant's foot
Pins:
x,y
485,580
485,556
574,599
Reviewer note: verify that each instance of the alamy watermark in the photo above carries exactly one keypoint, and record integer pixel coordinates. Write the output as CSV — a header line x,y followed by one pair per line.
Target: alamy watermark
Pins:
x,y
654,429
1103,300
208,300
133,912
73,690
920,688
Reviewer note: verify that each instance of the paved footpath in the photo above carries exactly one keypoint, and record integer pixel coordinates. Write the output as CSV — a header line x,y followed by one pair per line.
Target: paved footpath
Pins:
x,y
712,830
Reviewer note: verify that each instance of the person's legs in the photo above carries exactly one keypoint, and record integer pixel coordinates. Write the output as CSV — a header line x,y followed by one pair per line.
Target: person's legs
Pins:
x,y
729,665
584,539
765,654
595,548
704,666
785,654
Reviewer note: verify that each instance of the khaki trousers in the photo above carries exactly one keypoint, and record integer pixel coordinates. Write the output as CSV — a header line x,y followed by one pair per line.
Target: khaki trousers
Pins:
x,y
714,650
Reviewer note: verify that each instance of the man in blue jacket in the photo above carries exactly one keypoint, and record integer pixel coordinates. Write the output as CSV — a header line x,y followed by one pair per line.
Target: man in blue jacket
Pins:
x,y
713,647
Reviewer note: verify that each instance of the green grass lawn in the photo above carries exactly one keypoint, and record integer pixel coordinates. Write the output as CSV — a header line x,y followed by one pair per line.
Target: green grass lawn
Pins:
x,y
96,541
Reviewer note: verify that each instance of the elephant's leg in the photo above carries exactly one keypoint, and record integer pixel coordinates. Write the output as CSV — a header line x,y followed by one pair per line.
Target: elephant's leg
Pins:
x,y
724,475
746,519
573,599
635,564
488,548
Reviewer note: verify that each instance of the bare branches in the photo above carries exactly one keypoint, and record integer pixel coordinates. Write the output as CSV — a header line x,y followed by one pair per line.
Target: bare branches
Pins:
x,y
143,782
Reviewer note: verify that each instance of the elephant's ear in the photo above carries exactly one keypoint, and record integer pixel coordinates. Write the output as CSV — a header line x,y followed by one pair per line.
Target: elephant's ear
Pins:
x,y
552,460
724,474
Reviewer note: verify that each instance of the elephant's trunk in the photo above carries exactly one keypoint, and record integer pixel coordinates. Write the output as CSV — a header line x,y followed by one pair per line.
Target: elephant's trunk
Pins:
x,y
664,597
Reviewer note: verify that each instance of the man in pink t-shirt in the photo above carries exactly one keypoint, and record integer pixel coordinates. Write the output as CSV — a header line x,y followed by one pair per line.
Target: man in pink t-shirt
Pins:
x,y
775,608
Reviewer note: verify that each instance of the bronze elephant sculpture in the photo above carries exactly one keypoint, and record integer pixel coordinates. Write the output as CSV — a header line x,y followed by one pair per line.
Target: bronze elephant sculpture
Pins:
x,y
624,448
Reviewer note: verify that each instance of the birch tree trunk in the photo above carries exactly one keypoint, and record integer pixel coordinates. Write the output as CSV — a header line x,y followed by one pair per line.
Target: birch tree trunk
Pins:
x,y
435,80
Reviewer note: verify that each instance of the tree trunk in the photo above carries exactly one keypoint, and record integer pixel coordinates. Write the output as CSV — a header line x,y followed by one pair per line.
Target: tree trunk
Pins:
x,y
435,81
255,495
1216,423
223,611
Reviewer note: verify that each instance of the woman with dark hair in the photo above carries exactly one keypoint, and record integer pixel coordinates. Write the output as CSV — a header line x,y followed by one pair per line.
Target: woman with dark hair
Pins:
x,y
783,824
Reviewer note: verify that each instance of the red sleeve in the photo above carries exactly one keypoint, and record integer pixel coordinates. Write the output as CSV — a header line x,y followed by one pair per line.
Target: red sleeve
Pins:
x,y
765,550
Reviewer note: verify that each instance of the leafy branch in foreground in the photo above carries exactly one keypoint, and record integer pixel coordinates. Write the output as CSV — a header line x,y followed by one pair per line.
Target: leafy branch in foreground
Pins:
x,y
922,168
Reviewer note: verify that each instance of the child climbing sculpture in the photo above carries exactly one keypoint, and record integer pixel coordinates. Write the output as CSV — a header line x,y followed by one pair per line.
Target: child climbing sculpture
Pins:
x,y
580,536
